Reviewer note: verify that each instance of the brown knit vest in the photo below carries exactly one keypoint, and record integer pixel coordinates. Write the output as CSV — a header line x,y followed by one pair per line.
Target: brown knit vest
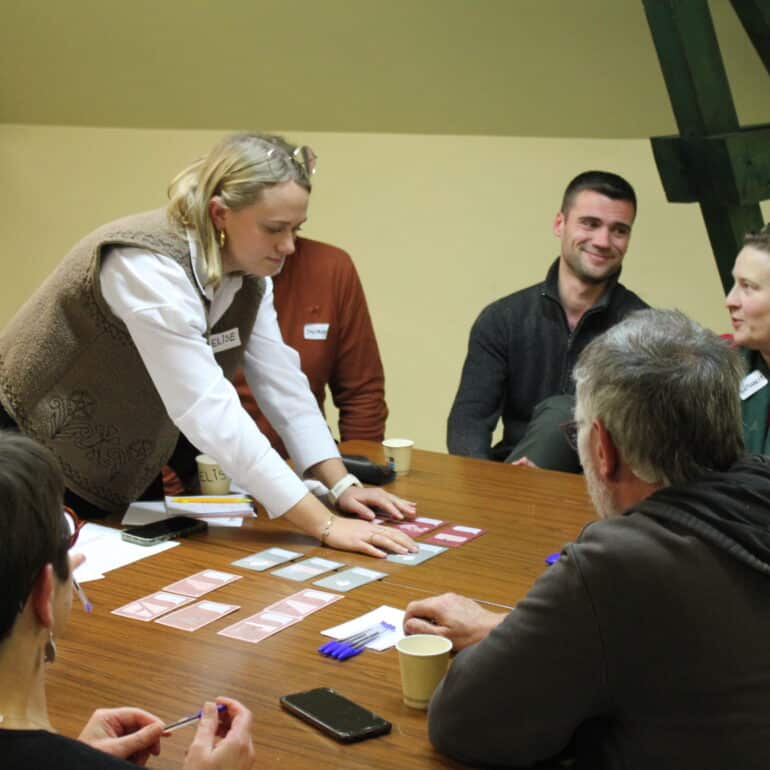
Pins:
x,y
71,377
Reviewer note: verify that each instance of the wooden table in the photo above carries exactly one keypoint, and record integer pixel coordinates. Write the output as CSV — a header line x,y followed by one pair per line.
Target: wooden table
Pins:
x,y
105,660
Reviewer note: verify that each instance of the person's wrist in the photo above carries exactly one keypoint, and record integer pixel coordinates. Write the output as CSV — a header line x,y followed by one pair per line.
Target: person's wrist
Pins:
x,y
342,486
327,529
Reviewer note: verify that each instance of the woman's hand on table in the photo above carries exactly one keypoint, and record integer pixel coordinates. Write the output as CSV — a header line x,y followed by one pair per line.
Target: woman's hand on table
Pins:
x,y
127,733
365,537
362,502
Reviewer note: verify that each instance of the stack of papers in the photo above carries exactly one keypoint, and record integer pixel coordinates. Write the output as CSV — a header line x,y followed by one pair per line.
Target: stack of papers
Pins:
x,y
222,511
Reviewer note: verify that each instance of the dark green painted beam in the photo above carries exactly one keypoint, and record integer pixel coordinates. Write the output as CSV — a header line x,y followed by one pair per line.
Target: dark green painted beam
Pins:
x,y
713,161
688,52
736,164
755,17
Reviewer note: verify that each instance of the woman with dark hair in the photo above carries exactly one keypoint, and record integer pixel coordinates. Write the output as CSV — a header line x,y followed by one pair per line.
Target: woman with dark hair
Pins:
x,y
35,537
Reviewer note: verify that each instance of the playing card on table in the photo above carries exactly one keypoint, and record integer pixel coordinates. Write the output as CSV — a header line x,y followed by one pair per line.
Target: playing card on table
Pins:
x,y
152,606
427,551
259,626
350,578
202,582
310,568
303,603
197,615
419,526
263,560
455,536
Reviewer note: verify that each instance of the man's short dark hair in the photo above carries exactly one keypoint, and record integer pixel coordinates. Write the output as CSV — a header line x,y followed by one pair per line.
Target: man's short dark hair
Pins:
x,y
33,530
603,182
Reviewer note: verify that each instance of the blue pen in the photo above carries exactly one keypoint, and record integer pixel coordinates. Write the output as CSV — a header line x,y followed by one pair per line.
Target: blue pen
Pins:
x,y
189,719
81,595
343,649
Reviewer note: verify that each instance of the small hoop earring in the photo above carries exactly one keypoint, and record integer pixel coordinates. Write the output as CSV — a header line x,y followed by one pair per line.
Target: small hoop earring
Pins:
x,y
49,654
222,239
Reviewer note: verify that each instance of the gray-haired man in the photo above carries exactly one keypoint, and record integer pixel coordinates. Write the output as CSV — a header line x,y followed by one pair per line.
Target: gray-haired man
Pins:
x,y
645,645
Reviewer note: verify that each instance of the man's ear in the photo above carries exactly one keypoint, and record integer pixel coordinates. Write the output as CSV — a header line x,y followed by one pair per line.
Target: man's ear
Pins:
x,y
42,596
218,212
558,224
606,453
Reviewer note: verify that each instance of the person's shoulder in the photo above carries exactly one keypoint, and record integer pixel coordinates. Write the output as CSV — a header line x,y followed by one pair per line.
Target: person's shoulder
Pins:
x,y
28,749
309,249
626,300
627,543
515,302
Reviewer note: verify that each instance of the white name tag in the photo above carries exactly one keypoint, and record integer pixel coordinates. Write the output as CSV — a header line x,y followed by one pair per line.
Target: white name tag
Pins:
x,y
225,340
751,383
316,331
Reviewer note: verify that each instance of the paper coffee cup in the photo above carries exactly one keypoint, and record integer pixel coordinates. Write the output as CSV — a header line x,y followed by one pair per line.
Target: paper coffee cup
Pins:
x,y
398,452
213,480
423,659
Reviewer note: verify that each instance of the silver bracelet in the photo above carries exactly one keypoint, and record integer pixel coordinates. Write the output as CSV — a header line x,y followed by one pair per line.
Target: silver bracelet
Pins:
x,y
327,529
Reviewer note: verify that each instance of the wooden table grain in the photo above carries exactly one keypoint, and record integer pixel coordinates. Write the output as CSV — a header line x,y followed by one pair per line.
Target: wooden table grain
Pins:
x,y
106,660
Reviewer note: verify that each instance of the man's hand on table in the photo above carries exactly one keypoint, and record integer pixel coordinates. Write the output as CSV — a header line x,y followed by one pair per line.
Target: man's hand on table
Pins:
x,y
458,618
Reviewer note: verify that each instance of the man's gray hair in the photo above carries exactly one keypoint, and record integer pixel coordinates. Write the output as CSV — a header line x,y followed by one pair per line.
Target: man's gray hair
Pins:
x,y
667,391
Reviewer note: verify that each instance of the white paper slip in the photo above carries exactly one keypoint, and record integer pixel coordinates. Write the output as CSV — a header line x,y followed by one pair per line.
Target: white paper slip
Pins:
x,y
389,614
105,550
752,383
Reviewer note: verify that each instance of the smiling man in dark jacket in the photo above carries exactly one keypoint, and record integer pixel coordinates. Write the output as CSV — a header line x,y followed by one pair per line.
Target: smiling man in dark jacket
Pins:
x,y
645,646
523,347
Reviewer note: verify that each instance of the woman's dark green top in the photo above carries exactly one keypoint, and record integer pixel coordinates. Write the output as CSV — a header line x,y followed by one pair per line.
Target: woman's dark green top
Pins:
x,y
755,407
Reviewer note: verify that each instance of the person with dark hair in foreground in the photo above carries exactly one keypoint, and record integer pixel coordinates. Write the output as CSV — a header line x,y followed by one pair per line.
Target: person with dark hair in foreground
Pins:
x,y
523,347
645,645
35,537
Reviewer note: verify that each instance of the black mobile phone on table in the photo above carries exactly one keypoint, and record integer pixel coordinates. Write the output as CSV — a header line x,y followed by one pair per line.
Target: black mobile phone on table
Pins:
x,y
165,529
335,715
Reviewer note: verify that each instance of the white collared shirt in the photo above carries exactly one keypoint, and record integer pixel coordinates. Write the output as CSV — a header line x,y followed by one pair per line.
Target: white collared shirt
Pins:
x,y
168,323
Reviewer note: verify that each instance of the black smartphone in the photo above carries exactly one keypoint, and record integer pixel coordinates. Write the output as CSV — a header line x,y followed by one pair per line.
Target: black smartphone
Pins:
x,y
335,715
166,529
367,471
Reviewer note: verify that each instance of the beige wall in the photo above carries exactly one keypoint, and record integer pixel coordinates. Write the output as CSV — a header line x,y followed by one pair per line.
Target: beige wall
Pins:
x,y
438,225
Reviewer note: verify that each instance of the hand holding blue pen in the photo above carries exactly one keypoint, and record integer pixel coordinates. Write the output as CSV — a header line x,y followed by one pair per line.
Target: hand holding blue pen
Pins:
x,y
188,720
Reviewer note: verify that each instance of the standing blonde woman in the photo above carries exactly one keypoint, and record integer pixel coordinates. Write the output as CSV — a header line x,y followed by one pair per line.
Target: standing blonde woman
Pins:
x,y
131,341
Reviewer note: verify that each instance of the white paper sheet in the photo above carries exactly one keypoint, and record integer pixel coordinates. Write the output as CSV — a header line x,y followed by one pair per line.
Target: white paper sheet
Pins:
x,y
105,551
389,614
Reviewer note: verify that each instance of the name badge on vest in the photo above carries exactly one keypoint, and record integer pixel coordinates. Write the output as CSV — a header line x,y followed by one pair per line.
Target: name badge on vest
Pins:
x,y
316,331
225,340
751,383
